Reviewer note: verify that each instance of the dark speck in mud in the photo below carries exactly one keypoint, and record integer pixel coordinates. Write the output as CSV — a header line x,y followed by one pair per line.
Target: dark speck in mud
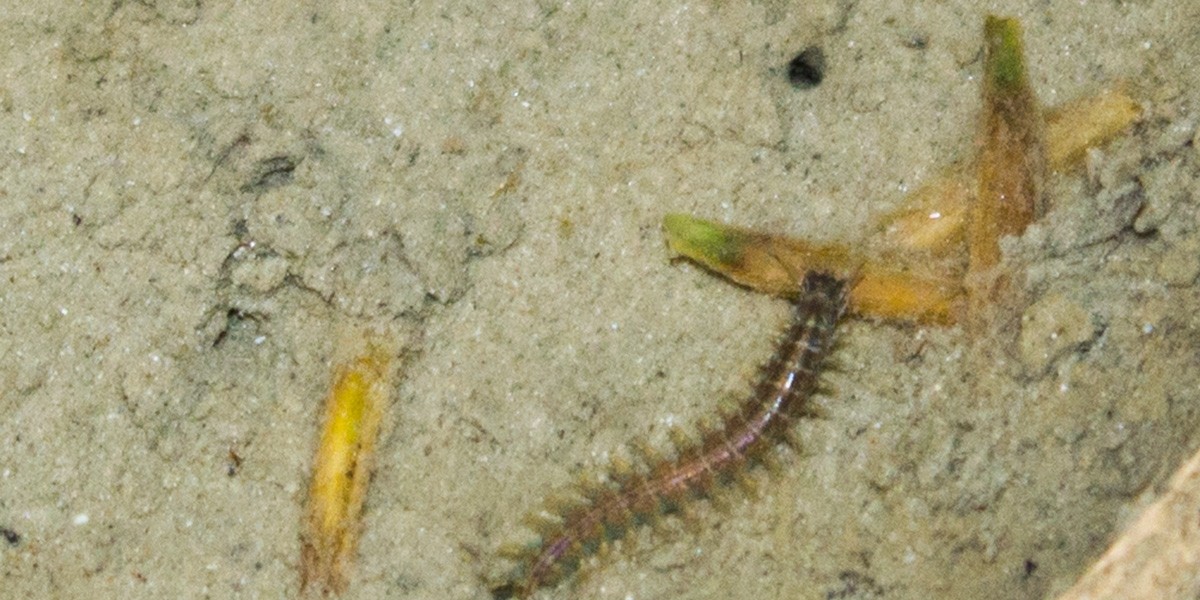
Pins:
x,y
13,538
807,69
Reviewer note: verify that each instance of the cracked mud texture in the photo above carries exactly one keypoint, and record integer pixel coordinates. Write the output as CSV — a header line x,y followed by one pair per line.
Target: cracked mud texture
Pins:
x,y
197,200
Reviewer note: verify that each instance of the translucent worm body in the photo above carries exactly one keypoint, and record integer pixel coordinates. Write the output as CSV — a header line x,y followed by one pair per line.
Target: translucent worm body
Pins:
x,y
607,511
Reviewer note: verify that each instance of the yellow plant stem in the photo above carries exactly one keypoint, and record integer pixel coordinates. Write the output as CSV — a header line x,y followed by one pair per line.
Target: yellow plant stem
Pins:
x,y
775,264
1075,127
342,470
1012,158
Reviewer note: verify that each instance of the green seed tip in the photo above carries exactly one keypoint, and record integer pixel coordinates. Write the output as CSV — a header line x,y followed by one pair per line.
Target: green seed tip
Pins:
x,y
1004,61
700,240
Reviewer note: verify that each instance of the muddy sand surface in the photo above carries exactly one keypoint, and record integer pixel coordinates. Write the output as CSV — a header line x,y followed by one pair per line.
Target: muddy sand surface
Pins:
x,y
202,206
